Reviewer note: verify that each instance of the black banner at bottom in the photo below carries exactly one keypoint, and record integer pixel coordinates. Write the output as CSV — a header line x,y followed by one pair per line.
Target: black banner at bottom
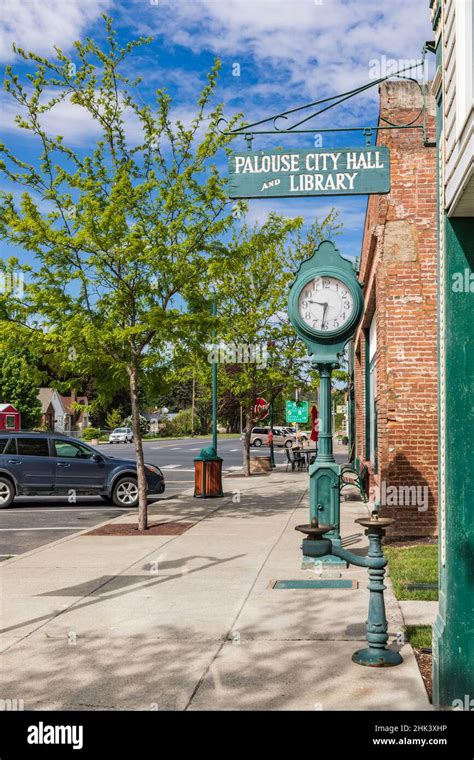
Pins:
x,y
127,734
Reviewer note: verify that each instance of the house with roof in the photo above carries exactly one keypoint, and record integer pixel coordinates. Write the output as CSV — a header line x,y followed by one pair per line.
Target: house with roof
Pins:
x,y
10,417
58,412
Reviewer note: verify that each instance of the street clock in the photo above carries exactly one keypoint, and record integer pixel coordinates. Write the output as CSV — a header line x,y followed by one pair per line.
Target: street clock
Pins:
x,y
325,306
326,303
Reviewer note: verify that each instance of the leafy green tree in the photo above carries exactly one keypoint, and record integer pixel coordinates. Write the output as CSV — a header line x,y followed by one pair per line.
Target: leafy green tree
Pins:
x,y
17,387
113,419
125,232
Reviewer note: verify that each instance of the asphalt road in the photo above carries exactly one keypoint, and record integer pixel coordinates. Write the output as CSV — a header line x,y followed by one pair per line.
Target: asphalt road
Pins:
x,y
34,521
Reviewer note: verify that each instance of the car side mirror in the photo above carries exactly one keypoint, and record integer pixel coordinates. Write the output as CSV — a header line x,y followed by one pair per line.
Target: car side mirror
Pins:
x,y
97,457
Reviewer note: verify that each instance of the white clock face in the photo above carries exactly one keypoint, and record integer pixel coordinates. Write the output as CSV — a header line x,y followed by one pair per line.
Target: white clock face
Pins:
x,y
326,304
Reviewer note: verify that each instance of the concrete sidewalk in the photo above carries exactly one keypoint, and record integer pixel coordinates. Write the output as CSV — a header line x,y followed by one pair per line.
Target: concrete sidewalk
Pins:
x,y
192,621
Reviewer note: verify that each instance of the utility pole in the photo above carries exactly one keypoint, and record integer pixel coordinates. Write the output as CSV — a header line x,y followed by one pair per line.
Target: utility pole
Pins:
x,y
193,402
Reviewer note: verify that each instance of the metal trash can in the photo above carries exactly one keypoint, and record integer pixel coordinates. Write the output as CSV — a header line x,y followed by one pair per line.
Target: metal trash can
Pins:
x,y
208,474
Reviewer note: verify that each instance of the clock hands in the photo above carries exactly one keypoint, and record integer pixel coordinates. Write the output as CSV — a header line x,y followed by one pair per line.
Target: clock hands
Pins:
x,y
324,314
325,305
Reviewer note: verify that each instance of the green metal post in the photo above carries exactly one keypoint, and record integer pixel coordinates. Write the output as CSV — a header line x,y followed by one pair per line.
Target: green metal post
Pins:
x,y
272,451
214,384
325,448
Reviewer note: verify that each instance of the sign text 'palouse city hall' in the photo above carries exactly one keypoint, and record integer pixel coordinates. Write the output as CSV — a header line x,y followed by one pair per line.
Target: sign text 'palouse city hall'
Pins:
x,y
279,174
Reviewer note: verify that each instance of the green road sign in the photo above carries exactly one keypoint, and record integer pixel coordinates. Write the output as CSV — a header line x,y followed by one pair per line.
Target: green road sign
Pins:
x,y
297,411
288,174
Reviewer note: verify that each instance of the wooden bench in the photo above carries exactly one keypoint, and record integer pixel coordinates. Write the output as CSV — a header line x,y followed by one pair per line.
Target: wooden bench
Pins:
x,y
350,476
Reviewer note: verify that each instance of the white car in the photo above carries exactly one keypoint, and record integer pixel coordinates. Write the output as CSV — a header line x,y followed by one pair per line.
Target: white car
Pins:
x,y
121,435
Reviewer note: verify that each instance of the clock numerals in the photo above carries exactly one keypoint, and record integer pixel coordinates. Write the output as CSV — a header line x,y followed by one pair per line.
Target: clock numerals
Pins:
x,y
326,304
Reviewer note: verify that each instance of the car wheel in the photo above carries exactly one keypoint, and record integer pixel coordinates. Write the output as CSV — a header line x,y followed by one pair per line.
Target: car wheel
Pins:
x,y
288,444
125,493
257,442
7,493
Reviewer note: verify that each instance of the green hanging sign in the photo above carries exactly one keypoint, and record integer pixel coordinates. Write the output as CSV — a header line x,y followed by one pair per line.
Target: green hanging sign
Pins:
x,y
289,174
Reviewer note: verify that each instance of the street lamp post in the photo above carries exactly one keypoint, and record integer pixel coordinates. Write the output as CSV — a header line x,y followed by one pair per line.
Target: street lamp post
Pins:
x,y
272,451
214,381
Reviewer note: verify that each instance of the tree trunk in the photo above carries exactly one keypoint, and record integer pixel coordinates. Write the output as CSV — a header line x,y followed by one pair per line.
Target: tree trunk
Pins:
x,y
137,438
246,447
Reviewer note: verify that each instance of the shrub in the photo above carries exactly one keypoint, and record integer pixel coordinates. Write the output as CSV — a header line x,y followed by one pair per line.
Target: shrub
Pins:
x,y
90,432
182,423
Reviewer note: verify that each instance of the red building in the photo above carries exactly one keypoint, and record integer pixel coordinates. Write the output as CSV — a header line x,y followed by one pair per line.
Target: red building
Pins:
x,y
10,418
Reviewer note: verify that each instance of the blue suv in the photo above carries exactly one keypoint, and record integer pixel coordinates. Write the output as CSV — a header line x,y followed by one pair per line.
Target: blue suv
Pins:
x,y
37,464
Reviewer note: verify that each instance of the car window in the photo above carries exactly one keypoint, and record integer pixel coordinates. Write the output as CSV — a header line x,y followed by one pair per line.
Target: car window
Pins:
x,y
3,445
33,447
72,450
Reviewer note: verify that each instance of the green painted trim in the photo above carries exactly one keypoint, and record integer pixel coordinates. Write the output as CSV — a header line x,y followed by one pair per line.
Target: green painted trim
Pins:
x,y
453,643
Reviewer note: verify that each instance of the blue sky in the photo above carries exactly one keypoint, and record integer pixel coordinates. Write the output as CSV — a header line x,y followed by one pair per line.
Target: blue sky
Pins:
x,y
289,52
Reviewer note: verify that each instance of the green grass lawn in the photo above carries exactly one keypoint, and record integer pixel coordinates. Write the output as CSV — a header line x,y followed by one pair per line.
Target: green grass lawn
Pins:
x,y
419,636
413,564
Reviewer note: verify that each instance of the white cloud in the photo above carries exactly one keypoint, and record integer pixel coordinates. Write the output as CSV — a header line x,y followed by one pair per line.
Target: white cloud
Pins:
x,y
71,121
319,47
38,25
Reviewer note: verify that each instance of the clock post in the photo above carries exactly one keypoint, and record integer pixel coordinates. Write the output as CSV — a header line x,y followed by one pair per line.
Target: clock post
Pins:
x,y
325,306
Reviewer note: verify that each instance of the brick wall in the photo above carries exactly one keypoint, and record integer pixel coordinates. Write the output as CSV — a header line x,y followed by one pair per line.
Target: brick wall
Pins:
x,y
398,266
